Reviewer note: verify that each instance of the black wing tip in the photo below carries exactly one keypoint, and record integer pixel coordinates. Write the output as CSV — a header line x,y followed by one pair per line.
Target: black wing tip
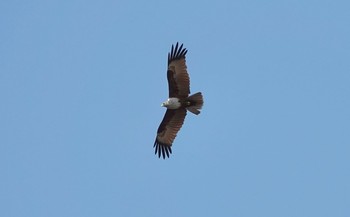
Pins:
x,y
162,149
177,52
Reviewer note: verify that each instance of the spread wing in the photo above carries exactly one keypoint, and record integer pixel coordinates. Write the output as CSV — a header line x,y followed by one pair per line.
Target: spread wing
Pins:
x,y
178,79
171,124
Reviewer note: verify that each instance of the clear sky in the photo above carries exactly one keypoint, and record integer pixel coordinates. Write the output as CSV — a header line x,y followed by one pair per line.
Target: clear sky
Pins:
x,y
81,83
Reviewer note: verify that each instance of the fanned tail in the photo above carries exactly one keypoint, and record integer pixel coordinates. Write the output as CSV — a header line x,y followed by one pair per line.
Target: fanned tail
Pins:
x,y
196,103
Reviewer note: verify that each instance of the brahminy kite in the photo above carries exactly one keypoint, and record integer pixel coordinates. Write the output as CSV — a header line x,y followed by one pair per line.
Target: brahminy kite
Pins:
x,y
178,103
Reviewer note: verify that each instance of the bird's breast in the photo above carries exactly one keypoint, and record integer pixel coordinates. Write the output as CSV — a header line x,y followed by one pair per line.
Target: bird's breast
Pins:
x,y
173,103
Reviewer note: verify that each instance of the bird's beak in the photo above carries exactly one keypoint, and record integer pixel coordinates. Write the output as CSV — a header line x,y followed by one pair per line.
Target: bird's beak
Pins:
x,y
162,104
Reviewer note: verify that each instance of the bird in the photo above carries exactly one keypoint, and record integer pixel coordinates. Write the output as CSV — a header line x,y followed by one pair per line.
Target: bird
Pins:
x,y
179,102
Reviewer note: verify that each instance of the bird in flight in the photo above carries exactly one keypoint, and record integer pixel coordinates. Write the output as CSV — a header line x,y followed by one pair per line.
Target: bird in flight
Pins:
x,y
178,103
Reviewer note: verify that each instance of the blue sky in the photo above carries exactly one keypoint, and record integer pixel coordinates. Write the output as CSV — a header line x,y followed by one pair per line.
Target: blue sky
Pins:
x,y
81,83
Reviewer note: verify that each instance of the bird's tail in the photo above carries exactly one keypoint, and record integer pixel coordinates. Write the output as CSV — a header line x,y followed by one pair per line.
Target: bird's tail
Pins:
x,y
196,103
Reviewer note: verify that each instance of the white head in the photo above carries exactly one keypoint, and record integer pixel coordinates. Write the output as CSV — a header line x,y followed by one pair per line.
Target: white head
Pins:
x,y
172,103
165,104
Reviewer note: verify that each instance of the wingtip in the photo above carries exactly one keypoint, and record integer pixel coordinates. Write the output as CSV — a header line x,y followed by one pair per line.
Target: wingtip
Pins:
x,y
177,52
162,150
